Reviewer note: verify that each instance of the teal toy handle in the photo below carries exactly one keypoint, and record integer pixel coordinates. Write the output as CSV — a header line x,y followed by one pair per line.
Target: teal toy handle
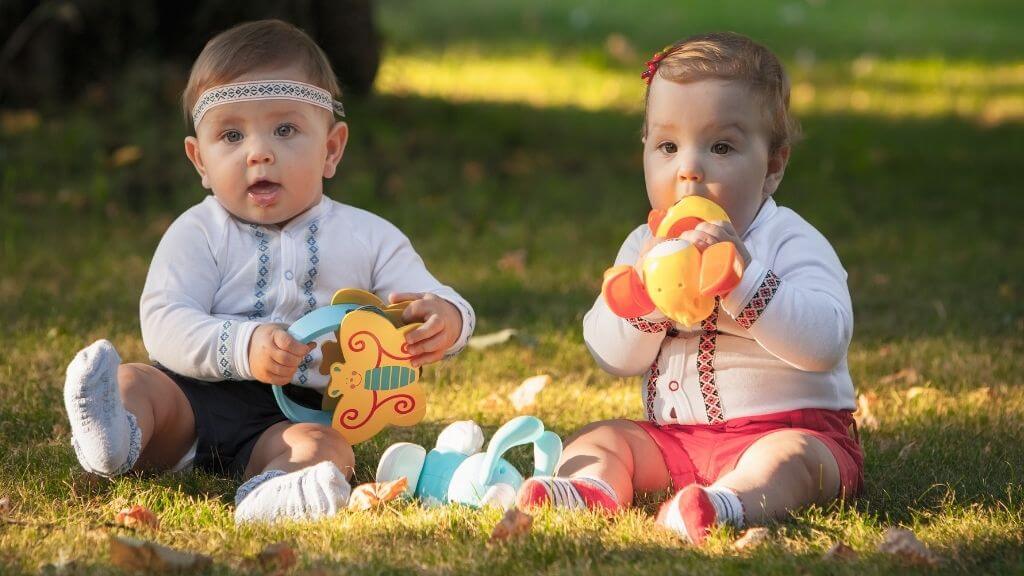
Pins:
x,y
546,452
307,329
516,432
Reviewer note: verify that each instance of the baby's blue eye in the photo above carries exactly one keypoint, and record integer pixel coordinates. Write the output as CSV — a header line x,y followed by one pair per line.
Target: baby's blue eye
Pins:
x,y
721,148
668,147
231,136
284,130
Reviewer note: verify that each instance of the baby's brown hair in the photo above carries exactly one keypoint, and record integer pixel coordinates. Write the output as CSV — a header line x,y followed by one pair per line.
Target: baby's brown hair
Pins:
x,y
731,56
257,45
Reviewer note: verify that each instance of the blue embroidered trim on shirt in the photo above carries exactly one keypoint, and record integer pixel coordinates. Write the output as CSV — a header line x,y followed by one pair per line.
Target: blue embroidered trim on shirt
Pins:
x,y
224,351
307,289
263,272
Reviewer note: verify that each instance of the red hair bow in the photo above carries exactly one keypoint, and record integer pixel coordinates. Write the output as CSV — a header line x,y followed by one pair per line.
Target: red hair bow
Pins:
x,y
652,67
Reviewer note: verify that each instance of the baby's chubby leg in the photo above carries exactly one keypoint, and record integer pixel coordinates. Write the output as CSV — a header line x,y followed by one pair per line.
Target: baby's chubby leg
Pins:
x,y
297,471
783,471
780,472
124,416
601,467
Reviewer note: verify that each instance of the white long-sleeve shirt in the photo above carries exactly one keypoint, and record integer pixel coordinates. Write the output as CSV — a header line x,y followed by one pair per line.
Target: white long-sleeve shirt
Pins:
x,y
777,342
215,278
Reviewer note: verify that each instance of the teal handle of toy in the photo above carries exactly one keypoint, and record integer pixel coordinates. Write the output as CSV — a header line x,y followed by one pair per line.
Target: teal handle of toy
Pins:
x,y
516,432
546,452
307,329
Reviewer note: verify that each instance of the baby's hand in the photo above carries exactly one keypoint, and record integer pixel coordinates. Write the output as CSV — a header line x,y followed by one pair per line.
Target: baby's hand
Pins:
x,y
708,233
442,325
649,243
274,355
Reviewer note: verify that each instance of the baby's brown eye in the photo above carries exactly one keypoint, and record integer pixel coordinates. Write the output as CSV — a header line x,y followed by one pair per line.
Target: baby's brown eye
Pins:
x,y
668,147
721,148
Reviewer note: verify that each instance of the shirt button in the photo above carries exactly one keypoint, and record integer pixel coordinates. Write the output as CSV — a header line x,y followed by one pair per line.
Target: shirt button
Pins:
x,y
288,275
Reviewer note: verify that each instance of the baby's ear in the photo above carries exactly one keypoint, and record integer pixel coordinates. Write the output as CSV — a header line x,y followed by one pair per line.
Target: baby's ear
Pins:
x,y
194,155
777,162
337,138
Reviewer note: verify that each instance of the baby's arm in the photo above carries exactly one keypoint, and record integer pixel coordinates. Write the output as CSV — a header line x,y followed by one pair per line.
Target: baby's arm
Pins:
x,y
399,274
800,309
178,328
625,347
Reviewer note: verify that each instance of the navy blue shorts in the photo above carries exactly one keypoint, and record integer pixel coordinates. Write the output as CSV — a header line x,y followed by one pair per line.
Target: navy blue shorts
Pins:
x,y
231,416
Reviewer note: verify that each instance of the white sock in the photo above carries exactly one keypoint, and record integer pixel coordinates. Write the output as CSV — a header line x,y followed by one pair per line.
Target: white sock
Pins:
x,y
311,492
728,507
106,437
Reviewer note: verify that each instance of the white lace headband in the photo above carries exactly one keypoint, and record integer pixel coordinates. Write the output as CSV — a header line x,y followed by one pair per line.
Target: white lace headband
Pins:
x,y
264,90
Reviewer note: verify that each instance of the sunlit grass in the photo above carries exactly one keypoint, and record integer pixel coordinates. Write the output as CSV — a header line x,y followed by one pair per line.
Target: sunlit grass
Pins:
x,y
868,85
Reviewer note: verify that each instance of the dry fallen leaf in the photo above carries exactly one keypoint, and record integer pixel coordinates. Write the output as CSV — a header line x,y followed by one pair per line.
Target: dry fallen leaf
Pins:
x,y
906,375
473,172
5,506
493,403
125,155
906,450
276,558
366,496
865,419
488,340
903,544
134,554
524,397
514,261
137,517
17,121
513,523
840,551
618,47
751,538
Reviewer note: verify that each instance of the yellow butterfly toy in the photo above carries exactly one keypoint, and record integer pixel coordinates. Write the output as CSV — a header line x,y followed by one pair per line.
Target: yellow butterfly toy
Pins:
x,y
373,383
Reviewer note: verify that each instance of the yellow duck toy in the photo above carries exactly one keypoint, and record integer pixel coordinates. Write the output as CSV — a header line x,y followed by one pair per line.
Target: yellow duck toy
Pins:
x,y
678,279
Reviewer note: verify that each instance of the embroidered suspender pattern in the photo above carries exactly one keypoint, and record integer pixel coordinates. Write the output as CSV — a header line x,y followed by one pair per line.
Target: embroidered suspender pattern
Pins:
x,y
262,272
307,288
648,326
652,389
752,311
706,368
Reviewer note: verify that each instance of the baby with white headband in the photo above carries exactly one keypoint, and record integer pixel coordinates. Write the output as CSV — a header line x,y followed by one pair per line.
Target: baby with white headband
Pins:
x,y
230,275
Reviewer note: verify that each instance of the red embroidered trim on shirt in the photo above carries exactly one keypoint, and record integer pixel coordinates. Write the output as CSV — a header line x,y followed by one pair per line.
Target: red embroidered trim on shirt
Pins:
x,y
648,326
652,389
706,368
752,311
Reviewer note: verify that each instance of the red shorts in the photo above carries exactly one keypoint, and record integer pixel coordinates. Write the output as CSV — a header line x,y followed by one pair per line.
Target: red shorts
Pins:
x,y
702,453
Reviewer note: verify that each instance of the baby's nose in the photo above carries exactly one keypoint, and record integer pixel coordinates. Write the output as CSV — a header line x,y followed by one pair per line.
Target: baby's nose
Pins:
x,y
690,174
260,154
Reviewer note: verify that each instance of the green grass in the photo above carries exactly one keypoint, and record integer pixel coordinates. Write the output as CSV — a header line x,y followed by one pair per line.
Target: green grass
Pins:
x,y
914,185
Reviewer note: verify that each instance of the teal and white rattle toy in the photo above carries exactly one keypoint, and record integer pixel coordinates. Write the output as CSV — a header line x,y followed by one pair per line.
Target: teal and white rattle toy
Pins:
x,y
456,471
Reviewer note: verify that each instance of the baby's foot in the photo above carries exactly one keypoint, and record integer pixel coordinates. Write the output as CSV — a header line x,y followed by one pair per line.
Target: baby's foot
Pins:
x,y
580,492
695,510
309,493
106,437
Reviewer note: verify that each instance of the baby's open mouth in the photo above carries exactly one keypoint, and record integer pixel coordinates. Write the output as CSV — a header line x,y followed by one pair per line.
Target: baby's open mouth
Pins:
x,y
264,192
